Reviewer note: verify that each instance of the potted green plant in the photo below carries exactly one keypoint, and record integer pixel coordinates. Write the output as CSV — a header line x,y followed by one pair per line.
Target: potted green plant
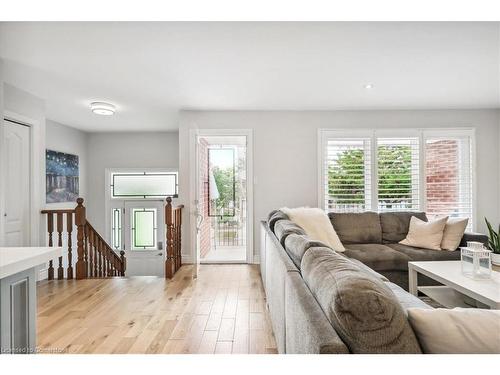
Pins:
x,y
494,243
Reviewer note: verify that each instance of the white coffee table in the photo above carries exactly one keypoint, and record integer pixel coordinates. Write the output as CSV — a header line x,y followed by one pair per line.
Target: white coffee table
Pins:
x,y
449,273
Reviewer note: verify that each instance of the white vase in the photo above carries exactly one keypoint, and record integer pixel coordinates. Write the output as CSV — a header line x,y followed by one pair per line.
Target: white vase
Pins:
x,y
495,259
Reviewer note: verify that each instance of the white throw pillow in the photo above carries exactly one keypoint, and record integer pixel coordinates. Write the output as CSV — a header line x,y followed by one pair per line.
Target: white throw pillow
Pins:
x,y
456,331
426,234
453,233
316,224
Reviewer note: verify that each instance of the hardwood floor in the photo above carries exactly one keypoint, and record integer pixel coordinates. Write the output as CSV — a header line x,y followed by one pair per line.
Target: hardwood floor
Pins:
x,y
223,311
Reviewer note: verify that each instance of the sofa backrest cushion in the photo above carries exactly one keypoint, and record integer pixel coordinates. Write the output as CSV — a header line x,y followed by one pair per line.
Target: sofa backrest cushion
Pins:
x,y
354,228
361,308
274,217
296,246
395,225
283,228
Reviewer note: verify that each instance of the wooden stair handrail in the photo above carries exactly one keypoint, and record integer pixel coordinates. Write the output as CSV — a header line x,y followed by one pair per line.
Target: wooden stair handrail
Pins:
x,y
173,223
108,250
91,246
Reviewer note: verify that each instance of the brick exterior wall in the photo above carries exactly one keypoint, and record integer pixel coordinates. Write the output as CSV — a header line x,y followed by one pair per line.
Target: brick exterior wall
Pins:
x,y
442,176
205,229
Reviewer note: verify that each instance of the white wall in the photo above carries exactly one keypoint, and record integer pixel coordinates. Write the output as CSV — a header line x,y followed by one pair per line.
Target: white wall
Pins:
x,y
286,152
124,150
63,138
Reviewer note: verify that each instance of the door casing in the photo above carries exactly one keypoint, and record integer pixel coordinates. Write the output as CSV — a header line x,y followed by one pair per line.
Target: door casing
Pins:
x,y
194,134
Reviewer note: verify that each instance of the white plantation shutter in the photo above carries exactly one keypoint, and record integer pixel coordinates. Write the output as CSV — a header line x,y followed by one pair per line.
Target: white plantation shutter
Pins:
x,y
448,170
398,170
347,174
398,174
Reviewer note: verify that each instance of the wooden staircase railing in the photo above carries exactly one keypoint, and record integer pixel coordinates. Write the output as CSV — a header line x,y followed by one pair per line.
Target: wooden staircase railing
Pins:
x,y
95,258
173,222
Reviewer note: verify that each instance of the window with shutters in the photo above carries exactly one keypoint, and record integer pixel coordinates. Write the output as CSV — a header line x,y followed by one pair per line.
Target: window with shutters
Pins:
x,y
448,171
398,176
348,174
398,170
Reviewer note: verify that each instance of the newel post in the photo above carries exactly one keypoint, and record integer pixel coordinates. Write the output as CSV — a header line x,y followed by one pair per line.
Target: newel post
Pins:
x,y
169,262
80,221
123,263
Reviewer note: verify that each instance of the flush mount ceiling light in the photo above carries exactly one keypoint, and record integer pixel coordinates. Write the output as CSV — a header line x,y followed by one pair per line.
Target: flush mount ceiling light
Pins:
x,y
368,86
101,108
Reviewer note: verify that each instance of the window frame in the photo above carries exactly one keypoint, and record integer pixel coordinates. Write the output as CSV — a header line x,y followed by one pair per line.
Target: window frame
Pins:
x,y
112,183
111,202
324,134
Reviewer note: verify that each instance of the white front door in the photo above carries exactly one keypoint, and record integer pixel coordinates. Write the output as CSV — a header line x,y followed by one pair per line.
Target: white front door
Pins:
x,y
17,184
144,227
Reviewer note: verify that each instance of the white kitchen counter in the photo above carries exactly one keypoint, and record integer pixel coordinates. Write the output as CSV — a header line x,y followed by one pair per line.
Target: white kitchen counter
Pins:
x,y
18,275
17,259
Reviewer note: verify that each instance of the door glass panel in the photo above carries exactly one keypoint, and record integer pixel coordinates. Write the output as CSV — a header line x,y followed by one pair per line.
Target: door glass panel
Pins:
x,y
116,228
143,185
221,181
144,228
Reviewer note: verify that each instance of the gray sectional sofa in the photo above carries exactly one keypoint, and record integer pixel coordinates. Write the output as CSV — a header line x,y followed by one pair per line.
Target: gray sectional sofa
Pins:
x,y
321,301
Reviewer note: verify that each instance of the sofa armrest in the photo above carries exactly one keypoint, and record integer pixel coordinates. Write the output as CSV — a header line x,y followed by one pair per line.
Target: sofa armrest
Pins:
x,y
478,237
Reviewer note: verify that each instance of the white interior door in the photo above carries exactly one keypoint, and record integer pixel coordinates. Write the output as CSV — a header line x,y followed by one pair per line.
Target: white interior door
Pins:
x,y
17,184
144,225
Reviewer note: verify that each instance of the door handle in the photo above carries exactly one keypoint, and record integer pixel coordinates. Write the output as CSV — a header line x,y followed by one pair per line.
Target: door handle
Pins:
x,y
159,254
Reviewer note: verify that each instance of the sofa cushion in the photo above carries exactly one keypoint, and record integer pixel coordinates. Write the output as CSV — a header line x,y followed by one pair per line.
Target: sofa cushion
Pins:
x,y
406,299
364,267
420,254
274,217
395,225
478,237
362,309
296,245
378,257
283,228
357,227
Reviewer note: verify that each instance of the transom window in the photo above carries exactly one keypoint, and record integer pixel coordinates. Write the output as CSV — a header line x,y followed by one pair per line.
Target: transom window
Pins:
x,y
144,185
398,170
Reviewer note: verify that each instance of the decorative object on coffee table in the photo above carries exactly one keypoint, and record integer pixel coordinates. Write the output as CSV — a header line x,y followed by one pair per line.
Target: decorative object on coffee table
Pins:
x,y
494,243
476,260
457,290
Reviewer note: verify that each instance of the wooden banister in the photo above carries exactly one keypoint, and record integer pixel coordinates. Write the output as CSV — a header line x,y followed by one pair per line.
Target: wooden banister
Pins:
x,y
173,222
95,258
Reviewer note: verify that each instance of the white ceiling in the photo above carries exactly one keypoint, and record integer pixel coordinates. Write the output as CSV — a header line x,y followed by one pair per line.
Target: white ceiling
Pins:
x,y
152,70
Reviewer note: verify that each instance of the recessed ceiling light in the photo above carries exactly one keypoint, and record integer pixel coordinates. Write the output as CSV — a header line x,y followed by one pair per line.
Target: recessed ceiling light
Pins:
x,y
101,108
369,86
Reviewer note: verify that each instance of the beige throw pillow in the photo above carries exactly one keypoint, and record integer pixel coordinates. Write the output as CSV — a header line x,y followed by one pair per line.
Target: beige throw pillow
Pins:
x,y
316,224
456,331
426,234
453,233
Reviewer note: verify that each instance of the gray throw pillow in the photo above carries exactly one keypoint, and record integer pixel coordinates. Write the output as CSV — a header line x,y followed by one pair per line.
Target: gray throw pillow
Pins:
x,y
296,246
283,228
361,308
274,217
